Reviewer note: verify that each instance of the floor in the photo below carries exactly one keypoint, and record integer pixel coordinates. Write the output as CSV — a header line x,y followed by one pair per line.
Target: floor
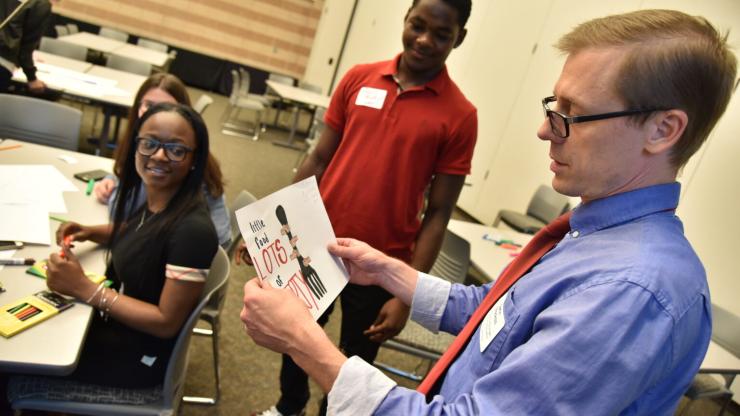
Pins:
x,y
249,373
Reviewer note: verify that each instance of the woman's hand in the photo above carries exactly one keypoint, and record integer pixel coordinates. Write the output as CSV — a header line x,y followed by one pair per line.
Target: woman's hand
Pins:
x,y
103,189
65,275
74,230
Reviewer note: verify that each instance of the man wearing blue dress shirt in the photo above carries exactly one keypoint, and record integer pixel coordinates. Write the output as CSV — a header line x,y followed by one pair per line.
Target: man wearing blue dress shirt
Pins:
x,y
616,318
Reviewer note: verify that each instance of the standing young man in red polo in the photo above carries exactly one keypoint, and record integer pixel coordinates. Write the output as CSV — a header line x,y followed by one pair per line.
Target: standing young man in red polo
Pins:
x,y
394,128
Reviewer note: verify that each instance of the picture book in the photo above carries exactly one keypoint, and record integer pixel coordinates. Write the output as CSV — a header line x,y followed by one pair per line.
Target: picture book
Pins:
x,y
26,312
286,234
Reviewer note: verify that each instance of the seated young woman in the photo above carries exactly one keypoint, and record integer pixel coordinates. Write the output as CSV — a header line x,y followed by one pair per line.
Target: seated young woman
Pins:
x,y
159,257
166,88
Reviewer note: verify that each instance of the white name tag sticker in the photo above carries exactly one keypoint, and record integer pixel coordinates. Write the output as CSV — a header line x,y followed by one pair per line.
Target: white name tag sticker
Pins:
x,y
492,323
371,97
147,360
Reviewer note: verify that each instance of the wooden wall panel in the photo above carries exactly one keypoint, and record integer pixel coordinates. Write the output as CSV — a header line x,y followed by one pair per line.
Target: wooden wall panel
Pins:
x,y
273,35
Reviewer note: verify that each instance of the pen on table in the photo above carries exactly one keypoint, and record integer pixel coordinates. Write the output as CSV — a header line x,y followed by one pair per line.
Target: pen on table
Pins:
x,y
90,185
60,219
15,146
17,262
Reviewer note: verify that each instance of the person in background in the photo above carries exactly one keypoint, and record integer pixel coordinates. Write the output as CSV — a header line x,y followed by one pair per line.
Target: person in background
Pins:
x,y
167,88
393,130
616,317
159,255
19,38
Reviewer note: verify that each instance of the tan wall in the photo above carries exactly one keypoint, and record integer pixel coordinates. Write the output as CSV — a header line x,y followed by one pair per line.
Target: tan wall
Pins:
x,y
273,35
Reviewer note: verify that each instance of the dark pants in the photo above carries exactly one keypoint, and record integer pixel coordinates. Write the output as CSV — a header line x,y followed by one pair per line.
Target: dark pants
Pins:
x,y
360,307
5,77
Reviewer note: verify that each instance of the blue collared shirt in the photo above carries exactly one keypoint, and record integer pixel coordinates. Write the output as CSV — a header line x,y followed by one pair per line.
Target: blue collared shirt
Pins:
x,y
614,320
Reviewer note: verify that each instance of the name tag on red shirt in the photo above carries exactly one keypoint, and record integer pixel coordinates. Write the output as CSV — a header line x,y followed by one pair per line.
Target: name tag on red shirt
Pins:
x,y
371,97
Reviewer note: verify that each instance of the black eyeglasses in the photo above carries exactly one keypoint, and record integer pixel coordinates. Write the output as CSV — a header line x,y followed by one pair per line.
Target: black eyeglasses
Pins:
x,y
560,123
175,152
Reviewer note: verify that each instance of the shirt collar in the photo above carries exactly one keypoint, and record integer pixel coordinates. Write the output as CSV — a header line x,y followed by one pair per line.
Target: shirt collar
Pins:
x,y
627,206
438,84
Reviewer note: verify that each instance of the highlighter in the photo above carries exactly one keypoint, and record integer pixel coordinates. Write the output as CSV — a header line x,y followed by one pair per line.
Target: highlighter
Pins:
x,y
90,185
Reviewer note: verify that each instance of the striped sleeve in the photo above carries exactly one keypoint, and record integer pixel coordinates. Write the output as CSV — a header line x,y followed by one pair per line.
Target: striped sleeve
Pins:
x,y
188,274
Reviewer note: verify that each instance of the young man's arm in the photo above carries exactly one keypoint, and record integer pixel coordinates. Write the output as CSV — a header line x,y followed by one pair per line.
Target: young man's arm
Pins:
x,y
443,194
317,162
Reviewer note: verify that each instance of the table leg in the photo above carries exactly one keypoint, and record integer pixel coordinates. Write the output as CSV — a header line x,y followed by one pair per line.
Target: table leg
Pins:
x,y
289,143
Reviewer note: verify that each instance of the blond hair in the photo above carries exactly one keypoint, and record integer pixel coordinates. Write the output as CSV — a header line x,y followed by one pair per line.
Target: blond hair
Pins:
x,y
674,61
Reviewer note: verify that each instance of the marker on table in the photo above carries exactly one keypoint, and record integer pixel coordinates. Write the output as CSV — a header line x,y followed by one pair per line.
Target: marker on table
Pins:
x,y
60,219
90,185
17,262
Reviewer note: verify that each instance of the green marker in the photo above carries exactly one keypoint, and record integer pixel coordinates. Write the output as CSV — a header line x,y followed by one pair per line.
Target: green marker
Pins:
x,y
90,185
55,218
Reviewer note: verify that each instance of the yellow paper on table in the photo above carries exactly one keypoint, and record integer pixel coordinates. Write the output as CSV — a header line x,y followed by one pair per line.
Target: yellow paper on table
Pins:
x,y
39,270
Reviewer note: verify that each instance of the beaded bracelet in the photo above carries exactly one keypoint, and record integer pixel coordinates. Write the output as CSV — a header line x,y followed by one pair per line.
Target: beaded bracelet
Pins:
x,y
115,298
100,286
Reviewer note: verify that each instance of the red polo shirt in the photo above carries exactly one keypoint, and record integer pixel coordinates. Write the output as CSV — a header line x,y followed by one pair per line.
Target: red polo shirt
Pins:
x,y
389,150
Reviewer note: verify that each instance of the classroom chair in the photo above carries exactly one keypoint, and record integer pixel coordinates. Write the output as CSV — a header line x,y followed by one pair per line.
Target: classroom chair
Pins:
x,y
211,313
452,264
151,44
546,205
174,380
111,33
127,64
202,103
61,30
62,48
314,134
39,121
706,384
239,99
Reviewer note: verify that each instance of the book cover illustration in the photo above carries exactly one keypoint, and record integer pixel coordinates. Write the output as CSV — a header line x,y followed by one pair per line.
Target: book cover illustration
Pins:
x,y
26,312
287,234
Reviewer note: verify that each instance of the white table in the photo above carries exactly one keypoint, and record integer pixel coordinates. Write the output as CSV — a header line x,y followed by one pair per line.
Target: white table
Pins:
x,y
112,89
52,347
93,41
140,53
299,96
486,257
112,46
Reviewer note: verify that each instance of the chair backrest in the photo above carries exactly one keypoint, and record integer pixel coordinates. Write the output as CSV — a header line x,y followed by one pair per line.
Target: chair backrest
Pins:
x,y
283,79
62,48
152,44
61,30
726,329
310,87
72,28
242,200
127,64
245,82
453,260
202,103
39,121
547,204
110,33
174,379
235,86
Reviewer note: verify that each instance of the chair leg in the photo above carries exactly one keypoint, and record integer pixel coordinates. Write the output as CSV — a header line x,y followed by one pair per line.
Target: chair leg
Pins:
x,y
209,401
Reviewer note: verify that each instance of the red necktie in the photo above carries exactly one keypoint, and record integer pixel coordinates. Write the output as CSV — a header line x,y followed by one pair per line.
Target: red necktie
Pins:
x,y
541,243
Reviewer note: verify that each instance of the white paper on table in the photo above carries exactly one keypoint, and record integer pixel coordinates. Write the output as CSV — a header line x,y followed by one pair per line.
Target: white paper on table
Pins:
x,y
276,250
40,185
27,223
